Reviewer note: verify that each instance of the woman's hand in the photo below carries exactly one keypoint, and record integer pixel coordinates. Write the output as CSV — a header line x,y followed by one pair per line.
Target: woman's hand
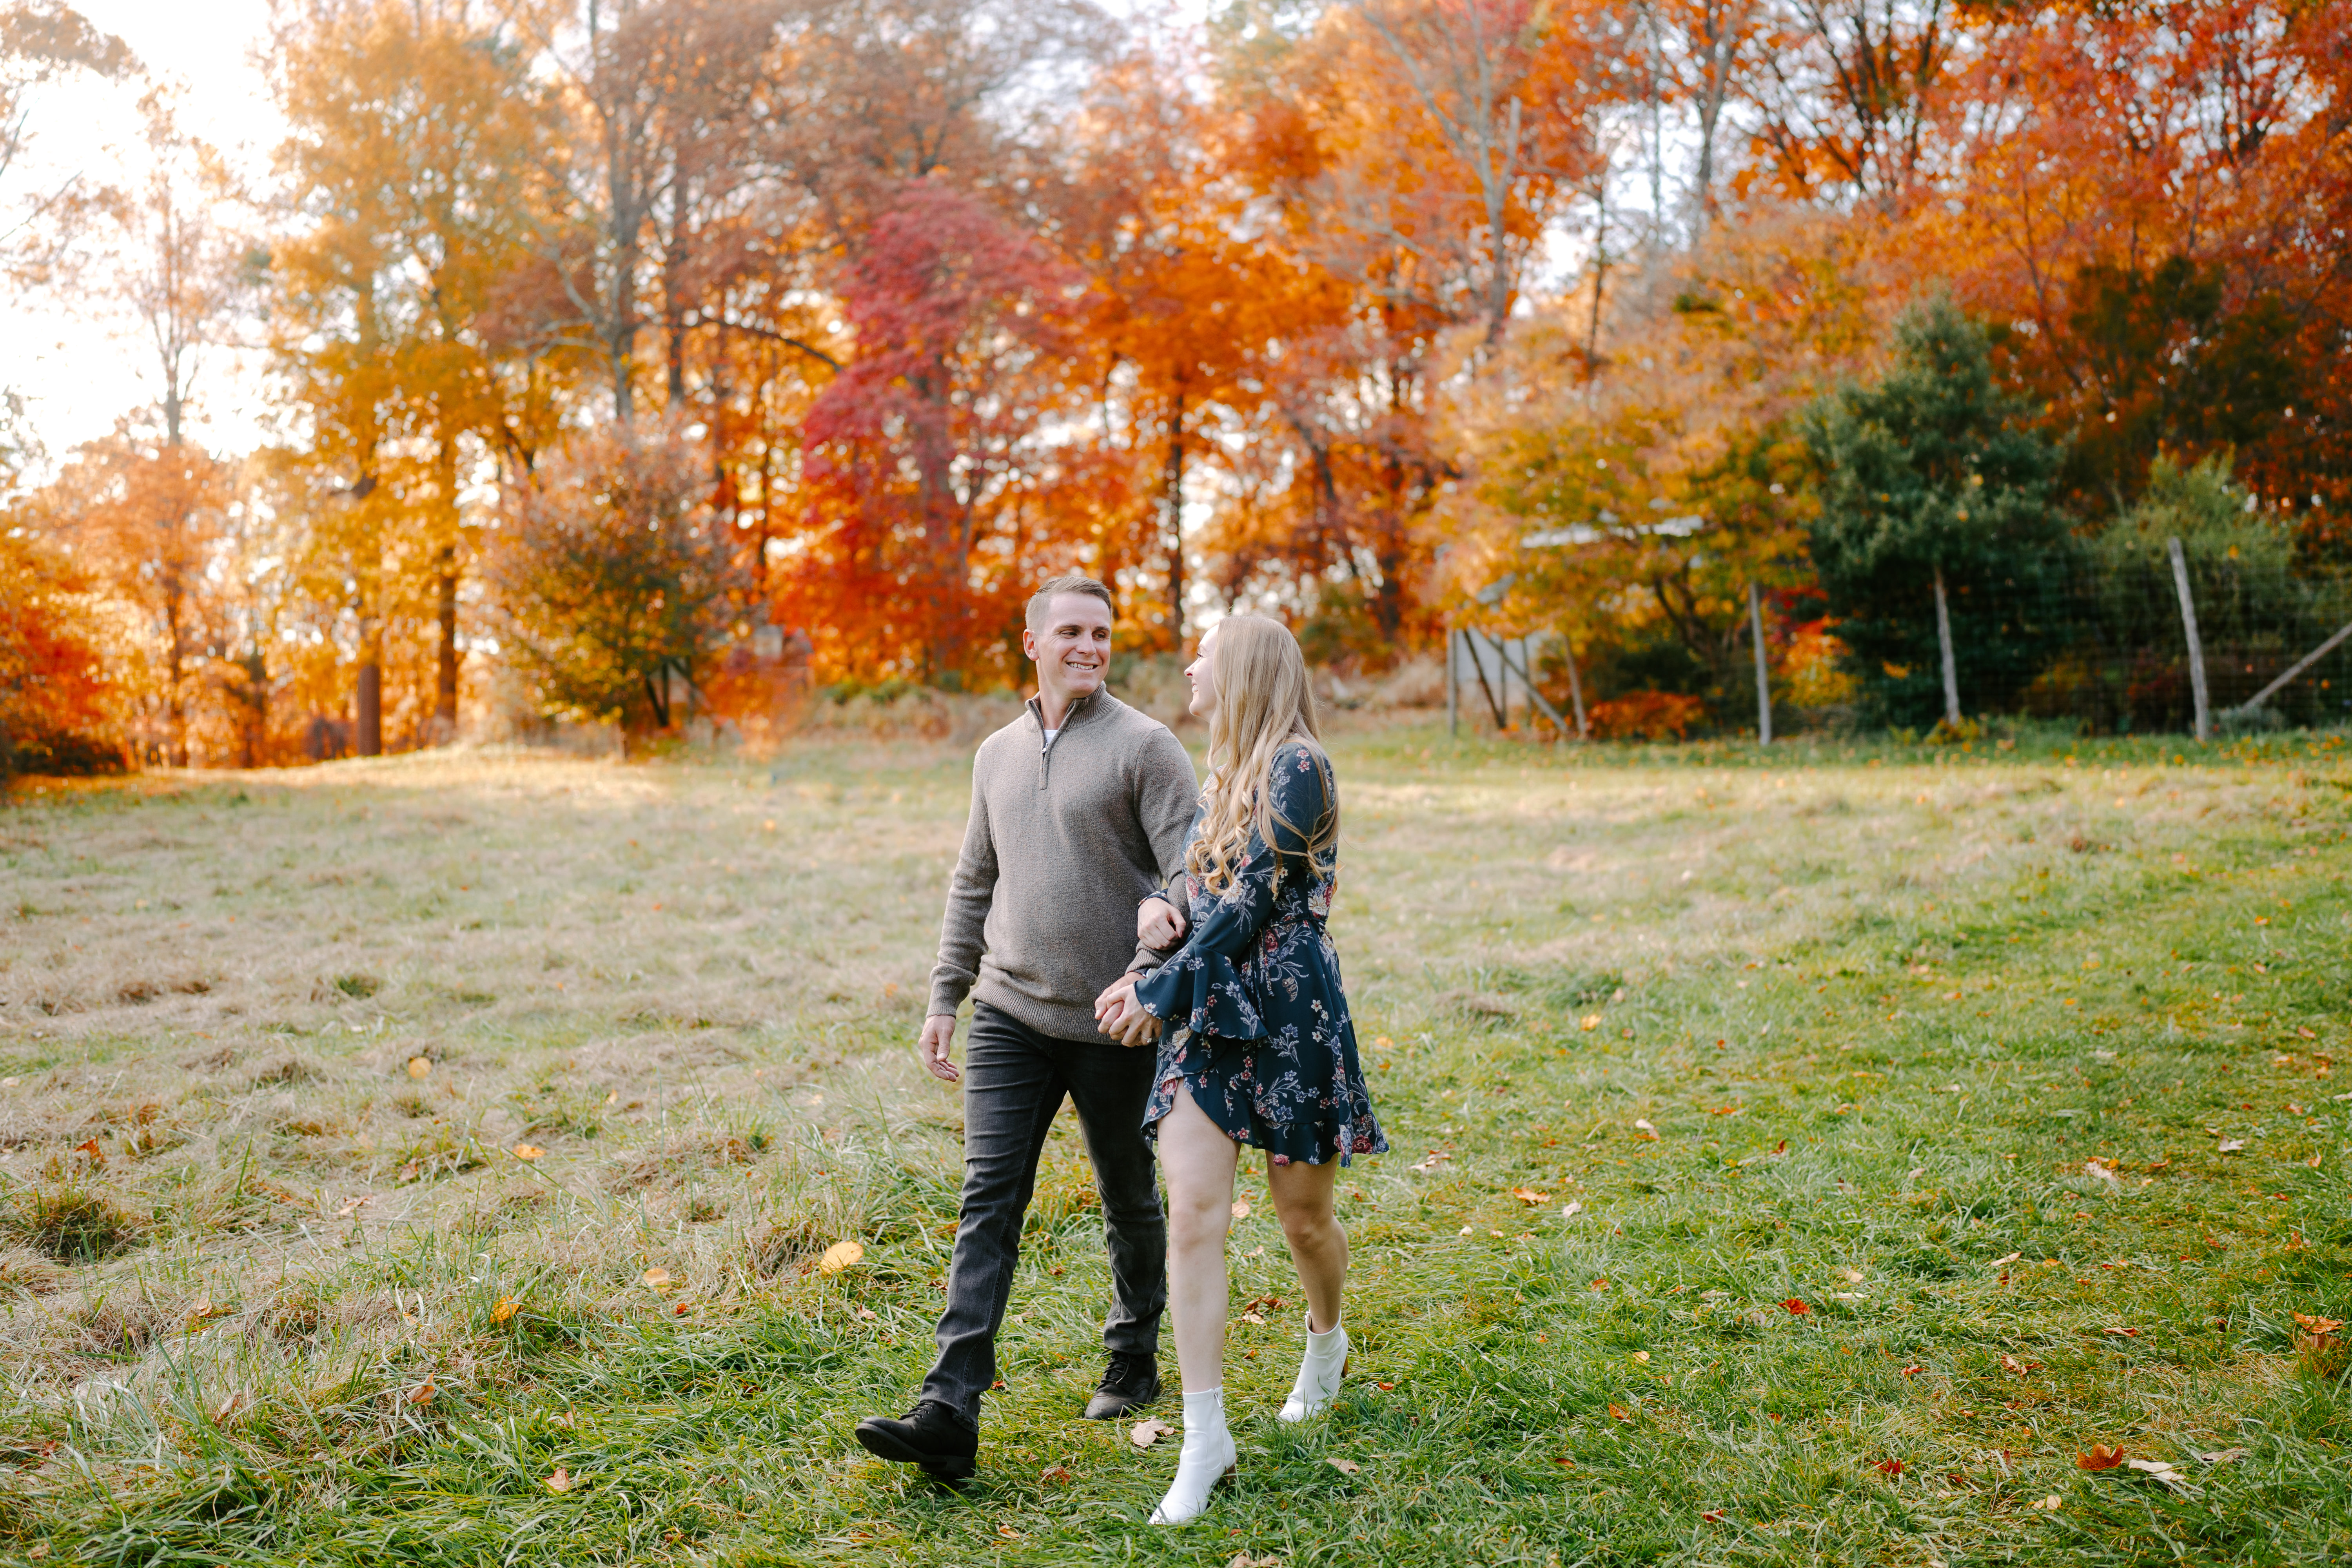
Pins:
x,y
1119,1015
1159,923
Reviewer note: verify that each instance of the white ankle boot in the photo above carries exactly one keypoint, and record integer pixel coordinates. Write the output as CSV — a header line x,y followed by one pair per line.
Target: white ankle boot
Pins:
x,y
1206,1458
1318,1373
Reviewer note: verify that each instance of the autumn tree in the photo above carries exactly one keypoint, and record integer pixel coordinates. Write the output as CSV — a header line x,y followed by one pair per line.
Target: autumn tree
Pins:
x,y
614,580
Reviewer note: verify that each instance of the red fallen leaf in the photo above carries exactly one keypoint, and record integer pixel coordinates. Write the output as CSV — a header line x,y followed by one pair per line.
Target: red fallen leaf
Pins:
x,y
1888,1466
2102,1457
1910,1371
678,1310
1602,1284
1385,1387
1563,1464
1781,1147
1796,1308
1713,1516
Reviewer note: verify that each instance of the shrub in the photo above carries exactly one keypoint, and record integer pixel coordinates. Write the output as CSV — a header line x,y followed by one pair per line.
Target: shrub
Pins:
x,y
1647,716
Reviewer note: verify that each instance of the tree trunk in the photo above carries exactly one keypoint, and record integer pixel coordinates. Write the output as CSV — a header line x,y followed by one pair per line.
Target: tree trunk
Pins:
x,y
1763,671
1173,511
445,683
368,741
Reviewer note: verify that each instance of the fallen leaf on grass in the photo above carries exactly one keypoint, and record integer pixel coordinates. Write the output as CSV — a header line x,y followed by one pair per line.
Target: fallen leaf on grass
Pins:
x,y
1797,1308
657,1278
97,1155
1619,1413
2314,1161
423,1394
1646,1130
528,1151
1385,1387
1054,1475
1253,1318
1565,1464
2160,1470
561,1481
2317,1328
2010,1363
2225,1456
1529,1195
841,1255
2102,1457
1713,1516
2124,1333
1888,1466
228,1406
1145,1433
418,1066
1005,1530
507,1308
1589,1022
2047,1505
1911,1371
351,1205
1602,1284
1345,1466
1435,1158
1244,1560
1241,1211
2230,1145
1998,1262
1642,1356
1570,1209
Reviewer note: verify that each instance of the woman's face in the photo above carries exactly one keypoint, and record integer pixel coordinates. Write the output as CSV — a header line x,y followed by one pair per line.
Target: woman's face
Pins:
x,y
1202,673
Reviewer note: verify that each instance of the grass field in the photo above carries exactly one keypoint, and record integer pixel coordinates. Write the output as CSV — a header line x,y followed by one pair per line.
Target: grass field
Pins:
x,y
1797,1159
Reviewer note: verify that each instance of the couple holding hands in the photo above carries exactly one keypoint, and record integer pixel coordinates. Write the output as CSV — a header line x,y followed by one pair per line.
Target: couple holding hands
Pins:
x,y
1156,953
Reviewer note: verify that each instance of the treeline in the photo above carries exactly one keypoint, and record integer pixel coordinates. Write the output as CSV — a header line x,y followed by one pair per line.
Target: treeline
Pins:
x,y
617,342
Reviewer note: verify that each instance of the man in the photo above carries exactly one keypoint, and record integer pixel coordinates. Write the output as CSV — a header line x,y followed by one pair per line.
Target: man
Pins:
x,y
1079,809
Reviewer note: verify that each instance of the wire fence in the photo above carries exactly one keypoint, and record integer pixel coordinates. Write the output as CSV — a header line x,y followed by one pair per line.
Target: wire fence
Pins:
x,y
2151,635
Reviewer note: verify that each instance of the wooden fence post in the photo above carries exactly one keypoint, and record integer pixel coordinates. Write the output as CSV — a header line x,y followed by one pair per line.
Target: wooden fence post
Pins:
x,y
1763,671
1951,668
2196,649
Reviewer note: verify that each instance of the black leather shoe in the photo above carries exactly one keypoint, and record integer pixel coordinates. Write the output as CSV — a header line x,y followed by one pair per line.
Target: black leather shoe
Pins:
x,y
1129,1382
930,1436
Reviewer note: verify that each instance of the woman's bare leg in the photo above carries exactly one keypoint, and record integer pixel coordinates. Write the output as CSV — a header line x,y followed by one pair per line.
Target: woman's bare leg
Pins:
x,y
1319,1248
1199,1161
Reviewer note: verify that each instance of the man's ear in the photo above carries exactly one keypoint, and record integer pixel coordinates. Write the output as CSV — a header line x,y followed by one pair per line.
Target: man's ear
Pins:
x,y
1029,643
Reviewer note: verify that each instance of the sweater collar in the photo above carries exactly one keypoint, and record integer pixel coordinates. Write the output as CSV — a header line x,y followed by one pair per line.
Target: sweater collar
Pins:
x,y
1078,708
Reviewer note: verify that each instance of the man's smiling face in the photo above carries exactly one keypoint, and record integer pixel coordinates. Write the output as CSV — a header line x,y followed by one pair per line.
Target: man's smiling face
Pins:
x,y
1071,647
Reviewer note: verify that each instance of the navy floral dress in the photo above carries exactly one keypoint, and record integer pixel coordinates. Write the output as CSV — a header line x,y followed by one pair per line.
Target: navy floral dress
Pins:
x,y
1258,1028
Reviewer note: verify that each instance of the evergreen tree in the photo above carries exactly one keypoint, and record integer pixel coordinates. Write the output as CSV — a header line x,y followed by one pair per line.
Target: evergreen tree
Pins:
x,y
1933,471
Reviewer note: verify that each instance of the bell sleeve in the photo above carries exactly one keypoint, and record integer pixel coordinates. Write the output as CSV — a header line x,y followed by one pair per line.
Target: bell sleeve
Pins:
x,y
1200,987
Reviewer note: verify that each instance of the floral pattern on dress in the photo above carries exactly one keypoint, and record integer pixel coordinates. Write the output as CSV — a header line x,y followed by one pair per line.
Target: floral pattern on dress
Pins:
x,y
1258,1028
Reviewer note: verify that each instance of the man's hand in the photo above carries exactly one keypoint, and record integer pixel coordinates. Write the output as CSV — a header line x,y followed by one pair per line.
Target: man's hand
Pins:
x,y
932,1046
1159,923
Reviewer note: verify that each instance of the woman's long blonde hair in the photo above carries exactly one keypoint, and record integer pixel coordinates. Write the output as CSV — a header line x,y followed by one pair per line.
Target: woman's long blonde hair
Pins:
x,y
1264,702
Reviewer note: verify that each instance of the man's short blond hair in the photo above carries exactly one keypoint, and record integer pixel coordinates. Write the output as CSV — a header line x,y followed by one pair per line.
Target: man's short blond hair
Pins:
x,y
1041,602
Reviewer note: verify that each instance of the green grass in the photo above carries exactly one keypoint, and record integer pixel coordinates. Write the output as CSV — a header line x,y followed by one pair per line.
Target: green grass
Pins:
x,y
1879,1005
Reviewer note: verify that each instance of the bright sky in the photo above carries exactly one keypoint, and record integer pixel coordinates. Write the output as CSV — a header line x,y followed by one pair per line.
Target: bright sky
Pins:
x,y
77,365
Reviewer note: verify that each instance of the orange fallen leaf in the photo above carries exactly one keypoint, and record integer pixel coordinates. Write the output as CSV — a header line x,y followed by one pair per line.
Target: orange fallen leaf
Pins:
x,y
1912,1371
561,1481
1385,1387
2102,1457
1600,1284
507,1308
423,1391
1619,1413
2318,1328
2021,1368
1345,1466
1055,1475
1645,1129
1713,1516
1797,1308
1145,1433
841,1255
678,1310
1529,1195
657,1278
528,1151
1589,1022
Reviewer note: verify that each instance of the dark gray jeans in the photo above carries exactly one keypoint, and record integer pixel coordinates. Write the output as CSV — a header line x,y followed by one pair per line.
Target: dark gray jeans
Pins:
x,y
1014,1082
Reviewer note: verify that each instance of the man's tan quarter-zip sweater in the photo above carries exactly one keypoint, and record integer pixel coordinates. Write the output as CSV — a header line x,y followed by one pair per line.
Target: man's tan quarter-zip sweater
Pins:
x,y
1064,841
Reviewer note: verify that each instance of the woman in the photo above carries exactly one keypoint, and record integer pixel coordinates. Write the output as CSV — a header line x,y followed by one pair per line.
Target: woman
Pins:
x,y
1259,1050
